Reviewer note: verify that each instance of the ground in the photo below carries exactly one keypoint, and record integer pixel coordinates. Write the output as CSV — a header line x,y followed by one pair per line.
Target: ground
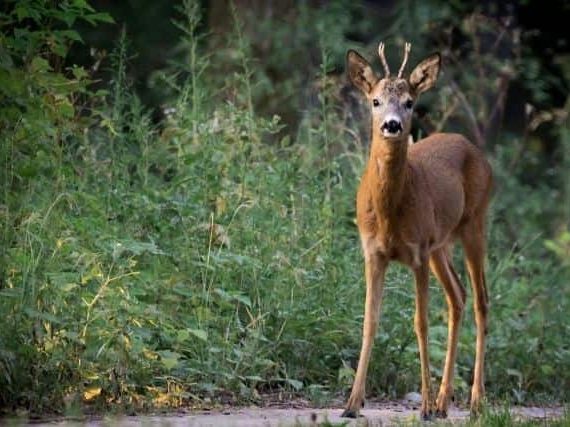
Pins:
x,y
400,413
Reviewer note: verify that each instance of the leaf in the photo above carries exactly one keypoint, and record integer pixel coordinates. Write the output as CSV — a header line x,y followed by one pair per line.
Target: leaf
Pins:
x,y
183,290
169,362
169,358
82,4
234,296
94,274
345,373
72,336
40,65
79,72
91,393
69,287
296,384
24,11
199,333
135,247
10,293
62,278
245,300
42,315
209,387
182,335
94,18
66,109
515,373
71,34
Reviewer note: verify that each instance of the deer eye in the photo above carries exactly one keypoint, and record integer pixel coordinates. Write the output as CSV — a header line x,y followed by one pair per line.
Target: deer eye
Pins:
x,y
409,104
375,102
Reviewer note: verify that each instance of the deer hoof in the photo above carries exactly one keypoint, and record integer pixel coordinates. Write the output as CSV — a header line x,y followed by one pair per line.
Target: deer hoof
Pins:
x,y
349,413
427,415
475,413
440,413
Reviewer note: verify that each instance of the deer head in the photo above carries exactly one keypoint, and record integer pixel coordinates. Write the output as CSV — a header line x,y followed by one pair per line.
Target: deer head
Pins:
x,y
392,99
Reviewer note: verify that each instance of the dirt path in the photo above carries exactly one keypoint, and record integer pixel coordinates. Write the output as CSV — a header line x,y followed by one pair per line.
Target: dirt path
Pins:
x,y
385,414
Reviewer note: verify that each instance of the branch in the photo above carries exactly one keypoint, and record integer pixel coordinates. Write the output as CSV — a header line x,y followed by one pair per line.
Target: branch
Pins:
x,y
475,129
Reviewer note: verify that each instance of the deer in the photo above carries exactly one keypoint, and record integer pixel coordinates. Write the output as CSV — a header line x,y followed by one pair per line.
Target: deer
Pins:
x,y
413,202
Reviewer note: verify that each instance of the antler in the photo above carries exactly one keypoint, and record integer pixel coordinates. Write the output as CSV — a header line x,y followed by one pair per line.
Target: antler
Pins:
x,y
383,59
407,48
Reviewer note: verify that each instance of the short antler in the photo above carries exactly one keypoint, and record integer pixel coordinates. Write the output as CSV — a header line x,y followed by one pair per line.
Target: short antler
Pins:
x,y
383,59
407,48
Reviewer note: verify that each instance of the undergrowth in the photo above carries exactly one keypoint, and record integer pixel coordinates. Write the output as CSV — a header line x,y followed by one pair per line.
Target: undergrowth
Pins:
x,y
214,256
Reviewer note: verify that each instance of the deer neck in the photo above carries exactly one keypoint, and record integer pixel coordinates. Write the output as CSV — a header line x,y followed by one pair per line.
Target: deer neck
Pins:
x,y
388,173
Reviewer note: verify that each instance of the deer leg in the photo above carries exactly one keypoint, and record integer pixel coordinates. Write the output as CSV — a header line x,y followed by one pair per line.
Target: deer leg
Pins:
x,y
442,268
473,240
375,267
421,274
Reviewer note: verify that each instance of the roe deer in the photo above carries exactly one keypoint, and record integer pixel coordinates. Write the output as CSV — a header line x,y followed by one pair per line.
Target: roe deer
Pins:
x,y
413,201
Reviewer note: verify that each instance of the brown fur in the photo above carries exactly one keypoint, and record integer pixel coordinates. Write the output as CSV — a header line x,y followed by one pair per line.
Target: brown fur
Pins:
x,y
412,203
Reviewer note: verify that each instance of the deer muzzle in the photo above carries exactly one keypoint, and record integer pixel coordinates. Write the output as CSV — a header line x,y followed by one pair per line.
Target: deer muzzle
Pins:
x,y
391,127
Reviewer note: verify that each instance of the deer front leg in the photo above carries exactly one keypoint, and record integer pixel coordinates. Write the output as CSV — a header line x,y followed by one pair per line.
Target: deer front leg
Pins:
x,y
375,267
421,327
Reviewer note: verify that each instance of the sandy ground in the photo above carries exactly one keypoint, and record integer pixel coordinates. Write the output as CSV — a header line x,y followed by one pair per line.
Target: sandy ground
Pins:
x,y
385,414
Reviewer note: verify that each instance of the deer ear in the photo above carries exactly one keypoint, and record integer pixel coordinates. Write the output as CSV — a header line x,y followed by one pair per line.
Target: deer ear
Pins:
x,y
425,74
360,72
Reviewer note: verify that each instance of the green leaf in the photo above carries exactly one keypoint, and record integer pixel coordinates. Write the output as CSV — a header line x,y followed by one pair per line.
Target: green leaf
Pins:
x,y
69,287
245,300
199,333
62,278
234,296
40,65
79,72
169,363
182,335
71,34
82,4
296,384
10,293
94,18
345,374
169,358
25,11
515,373
135,247
66,109
42,315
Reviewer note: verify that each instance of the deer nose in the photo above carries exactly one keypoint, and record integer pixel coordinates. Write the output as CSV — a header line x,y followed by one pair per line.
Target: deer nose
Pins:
x,y
392,126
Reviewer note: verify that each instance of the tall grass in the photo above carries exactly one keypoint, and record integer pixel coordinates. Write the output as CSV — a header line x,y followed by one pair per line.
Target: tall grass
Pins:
x,y
216,257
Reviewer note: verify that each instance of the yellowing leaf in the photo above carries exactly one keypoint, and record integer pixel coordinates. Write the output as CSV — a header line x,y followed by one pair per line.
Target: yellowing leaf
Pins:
x,y
91,393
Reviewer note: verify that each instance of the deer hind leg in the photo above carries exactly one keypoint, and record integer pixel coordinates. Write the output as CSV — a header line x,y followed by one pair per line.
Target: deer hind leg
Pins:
x,y
440,263
473,239
421,274
375,267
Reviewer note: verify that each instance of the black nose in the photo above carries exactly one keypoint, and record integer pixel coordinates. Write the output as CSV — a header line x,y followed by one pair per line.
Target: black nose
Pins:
x,y
392,126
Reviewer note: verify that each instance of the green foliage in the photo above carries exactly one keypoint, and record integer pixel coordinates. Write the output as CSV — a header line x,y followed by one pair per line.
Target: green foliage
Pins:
x,y
215,255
